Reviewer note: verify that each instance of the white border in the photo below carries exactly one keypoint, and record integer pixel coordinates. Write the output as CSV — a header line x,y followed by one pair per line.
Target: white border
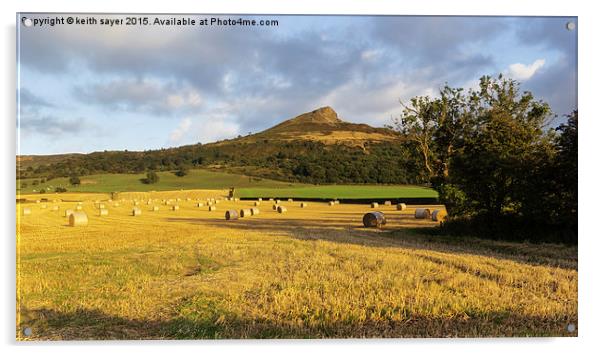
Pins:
x,y
589,172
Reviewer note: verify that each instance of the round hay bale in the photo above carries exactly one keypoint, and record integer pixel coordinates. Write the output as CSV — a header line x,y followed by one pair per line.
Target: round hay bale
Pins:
x,y
277,201
216,201
422,213
68,212
259,199
236,199
38,201
401,206
256,203
254,211
438,215
374,205
78,218
26,211
303,205
198,205
155,208
136,212
290,200
271,199
101,206
336,202
212,208
103,212
136,203
175,208
245,213
331,203
387,202
374,219
274,207
281,209
231,215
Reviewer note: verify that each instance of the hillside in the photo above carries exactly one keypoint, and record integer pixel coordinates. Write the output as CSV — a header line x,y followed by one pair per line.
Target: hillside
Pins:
x,y
321,125
314,147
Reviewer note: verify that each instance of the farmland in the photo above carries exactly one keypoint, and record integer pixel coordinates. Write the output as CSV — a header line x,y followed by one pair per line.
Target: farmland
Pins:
x,y
312,272
247,187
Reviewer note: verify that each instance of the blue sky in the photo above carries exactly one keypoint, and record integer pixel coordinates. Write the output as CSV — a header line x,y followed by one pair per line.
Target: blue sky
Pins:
x,y
94,88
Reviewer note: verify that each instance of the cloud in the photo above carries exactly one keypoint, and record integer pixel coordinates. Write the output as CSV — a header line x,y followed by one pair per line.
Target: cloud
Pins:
x,y
524,72
177,134
30,101
141,95
53,126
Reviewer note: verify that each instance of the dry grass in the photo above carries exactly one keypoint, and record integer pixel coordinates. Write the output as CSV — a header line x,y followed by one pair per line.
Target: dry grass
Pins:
x,y
313,272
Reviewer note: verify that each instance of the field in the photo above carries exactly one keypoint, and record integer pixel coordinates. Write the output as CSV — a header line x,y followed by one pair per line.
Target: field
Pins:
x,y
311,272
247,187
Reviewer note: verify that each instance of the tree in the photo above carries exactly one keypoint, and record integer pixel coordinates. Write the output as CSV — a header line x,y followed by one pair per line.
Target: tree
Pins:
x,y
74,180
151,177
181,172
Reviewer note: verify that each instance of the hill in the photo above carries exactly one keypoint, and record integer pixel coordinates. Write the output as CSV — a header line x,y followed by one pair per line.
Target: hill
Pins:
x,y
314,147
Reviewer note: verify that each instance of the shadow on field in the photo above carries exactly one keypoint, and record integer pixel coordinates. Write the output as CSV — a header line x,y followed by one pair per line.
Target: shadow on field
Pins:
x,y
85,324
336,228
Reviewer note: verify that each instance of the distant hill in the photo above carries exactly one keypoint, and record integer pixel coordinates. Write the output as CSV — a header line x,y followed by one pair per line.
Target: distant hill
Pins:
x,y
322,125
314,147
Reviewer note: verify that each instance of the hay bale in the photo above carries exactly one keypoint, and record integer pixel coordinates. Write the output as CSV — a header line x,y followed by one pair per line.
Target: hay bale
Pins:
x,y
78,218
26,211
387,202
136,203
68,212
216,201
231,215
336,202
115,204
401,206
439,215
155,208
422,213
136,212
103,212
78,207
277,201
38,201
281,209
256,204
212,208
259,199
175,208
271,199
303,205
374,219
374,205
290,200
101,206
245,213
254,211
331,203
198,205
274,206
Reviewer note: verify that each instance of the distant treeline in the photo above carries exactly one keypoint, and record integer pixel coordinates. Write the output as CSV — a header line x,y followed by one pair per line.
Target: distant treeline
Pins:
x,y
298,161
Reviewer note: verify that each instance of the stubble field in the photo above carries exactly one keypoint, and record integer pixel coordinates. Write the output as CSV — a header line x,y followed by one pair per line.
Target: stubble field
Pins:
x,y
311,272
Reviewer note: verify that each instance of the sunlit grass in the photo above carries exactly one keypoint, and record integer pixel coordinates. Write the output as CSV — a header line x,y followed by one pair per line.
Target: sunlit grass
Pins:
x,y
309,273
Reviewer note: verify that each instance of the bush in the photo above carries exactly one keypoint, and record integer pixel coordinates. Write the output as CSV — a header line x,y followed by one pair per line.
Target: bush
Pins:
x,y
151,177
74,181
60,189
181,172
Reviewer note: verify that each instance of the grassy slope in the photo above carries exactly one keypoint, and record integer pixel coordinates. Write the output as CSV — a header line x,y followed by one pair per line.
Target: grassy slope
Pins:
x,y
196,179
305,274
246,186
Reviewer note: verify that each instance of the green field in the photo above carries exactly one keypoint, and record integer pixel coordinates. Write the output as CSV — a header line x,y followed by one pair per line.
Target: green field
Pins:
x,y
246,187
340,192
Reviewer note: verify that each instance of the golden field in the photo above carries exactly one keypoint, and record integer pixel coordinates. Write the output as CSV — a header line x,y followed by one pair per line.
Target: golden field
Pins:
x,y
314,272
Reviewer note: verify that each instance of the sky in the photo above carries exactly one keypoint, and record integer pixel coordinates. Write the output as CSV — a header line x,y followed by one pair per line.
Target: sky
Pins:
x,y
84,88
